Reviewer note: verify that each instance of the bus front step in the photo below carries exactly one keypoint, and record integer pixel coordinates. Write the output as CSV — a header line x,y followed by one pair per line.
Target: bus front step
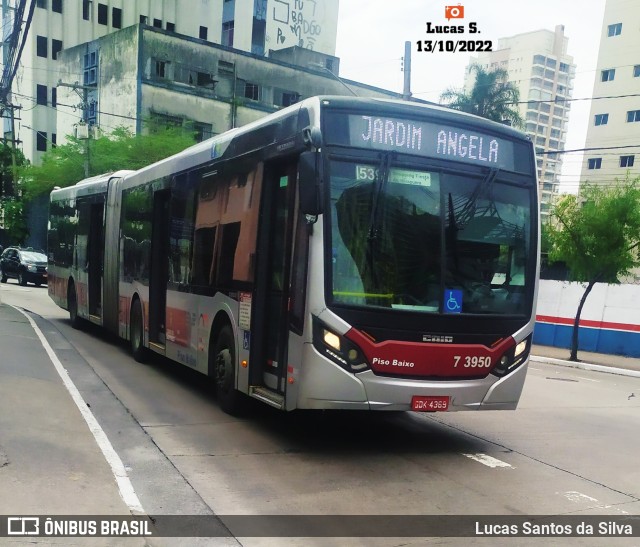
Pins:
x,y
267,396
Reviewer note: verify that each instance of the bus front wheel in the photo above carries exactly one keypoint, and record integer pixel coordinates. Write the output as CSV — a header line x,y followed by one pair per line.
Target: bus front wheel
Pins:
x,y
140,353
224,372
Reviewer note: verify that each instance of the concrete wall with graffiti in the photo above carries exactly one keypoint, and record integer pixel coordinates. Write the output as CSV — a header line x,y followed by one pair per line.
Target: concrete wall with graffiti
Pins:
x,y
311,24
609,323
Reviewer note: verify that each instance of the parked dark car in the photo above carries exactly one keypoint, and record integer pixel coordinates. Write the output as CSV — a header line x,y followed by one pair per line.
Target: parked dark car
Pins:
x,y
25,265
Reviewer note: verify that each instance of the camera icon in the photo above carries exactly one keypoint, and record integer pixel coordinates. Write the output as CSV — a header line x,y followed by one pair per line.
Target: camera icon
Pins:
x,y
454,12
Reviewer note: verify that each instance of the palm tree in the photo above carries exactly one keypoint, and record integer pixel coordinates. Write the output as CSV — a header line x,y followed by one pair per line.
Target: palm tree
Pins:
x,y
492,97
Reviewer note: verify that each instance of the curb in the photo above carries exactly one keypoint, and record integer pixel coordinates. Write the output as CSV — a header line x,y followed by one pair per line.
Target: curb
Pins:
x,y
586,366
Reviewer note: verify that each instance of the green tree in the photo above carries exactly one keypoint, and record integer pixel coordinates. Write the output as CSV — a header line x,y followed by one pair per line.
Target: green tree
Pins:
x,y
67,164
7,175
597,235
15,223
492,97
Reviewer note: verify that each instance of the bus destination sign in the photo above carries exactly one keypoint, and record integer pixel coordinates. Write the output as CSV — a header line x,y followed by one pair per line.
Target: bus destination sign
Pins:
x,y
431,139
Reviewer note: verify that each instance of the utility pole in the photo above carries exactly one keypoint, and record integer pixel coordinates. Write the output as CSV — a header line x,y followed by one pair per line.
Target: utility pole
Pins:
x,y
84,97
406,92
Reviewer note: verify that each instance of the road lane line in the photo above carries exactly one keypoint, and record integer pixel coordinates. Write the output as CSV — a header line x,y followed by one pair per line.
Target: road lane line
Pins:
x,y
578,497
127,492
487,460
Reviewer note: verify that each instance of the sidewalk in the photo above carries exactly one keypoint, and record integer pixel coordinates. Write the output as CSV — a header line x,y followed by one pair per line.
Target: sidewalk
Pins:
x,y
616,364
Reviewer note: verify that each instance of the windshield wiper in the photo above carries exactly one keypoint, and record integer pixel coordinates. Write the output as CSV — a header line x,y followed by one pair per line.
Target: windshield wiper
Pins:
x,y
374,220
380,183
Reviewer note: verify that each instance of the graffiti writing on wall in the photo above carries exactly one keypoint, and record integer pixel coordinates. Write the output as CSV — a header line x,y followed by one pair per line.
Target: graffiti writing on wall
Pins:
x,y
297,23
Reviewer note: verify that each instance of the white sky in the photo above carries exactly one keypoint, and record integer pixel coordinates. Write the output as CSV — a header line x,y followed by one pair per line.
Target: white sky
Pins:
x,y
372,33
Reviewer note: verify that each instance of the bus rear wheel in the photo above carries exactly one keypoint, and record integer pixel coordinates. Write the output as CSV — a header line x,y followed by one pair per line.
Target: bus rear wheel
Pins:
x,y
72,303
223,359
139,352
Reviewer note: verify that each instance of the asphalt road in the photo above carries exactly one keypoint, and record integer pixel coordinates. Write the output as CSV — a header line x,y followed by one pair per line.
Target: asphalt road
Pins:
x,y
571,448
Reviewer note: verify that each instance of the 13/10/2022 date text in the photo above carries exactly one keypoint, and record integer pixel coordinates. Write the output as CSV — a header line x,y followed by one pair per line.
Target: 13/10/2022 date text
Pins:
x,y
451,46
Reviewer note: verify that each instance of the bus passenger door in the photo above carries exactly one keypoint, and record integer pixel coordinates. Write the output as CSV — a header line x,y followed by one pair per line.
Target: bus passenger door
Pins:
x,y
95,258
159,267
270,329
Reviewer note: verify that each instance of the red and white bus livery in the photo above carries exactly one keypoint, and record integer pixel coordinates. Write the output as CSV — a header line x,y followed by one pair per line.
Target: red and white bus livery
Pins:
x,y
342,253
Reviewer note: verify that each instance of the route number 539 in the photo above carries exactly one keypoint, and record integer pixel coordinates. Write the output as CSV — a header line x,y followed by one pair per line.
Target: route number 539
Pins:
x,y
471,362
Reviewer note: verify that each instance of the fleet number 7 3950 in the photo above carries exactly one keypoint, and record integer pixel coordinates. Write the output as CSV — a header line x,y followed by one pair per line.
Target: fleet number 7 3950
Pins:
x,y
468,361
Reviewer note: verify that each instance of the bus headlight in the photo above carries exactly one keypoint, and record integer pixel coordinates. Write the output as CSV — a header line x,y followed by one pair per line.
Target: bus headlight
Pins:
x,y
513,358
337,348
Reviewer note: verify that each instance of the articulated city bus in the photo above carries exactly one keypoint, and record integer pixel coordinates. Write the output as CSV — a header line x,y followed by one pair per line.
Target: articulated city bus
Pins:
x,y
342,253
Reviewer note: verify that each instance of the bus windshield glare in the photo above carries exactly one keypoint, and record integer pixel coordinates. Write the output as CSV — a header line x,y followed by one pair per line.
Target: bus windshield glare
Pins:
x,y
420,240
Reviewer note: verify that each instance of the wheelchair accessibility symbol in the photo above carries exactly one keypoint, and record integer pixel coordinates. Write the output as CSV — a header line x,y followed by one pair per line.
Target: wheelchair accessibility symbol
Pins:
x,y
452,301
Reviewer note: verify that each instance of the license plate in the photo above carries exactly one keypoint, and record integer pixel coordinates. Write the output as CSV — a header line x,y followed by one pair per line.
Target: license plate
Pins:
x,y
421,403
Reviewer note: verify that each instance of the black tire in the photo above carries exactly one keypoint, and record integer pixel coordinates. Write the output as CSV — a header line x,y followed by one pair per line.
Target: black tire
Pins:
x,y
72,304
22,279
3,277
222,365
139,352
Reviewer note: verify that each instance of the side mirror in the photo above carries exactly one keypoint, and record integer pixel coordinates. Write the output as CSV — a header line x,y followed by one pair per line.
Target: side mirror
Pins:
x,y
309,177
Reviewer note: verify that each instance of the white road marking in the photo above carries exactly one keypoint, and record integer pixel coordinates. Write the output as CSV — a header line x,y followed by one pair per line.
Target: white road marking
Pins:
x,y
127,493
578,497
588,379
487,460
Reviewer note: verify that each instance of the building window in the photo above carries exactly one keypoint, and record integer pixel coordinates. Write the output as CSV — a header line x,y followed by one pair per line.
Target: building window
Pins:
x,y
204,31
116,18
92,112
90,68
633,116
41,46
602,119
56,47
41,141
86,9
41,94
54,140
203,131
103,14
636,71
626,161
258,34
54,101
160,69
226,67
614,30
594,163
56,5
290,98
608,75
252,91
171,27
564,67
227,33
204,79
157,23
143,19
41,4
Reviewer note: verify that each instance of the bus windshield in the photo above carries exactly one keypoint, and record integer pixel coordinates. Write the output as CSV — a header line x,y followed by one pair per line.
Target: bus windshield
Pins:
x,y
430,241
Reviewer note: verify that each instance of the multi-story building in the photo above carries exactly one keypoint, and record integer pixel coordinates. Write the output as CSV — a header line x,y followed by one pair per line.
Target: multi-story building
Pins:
x,y
538,64
613,135
255,26
143,76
